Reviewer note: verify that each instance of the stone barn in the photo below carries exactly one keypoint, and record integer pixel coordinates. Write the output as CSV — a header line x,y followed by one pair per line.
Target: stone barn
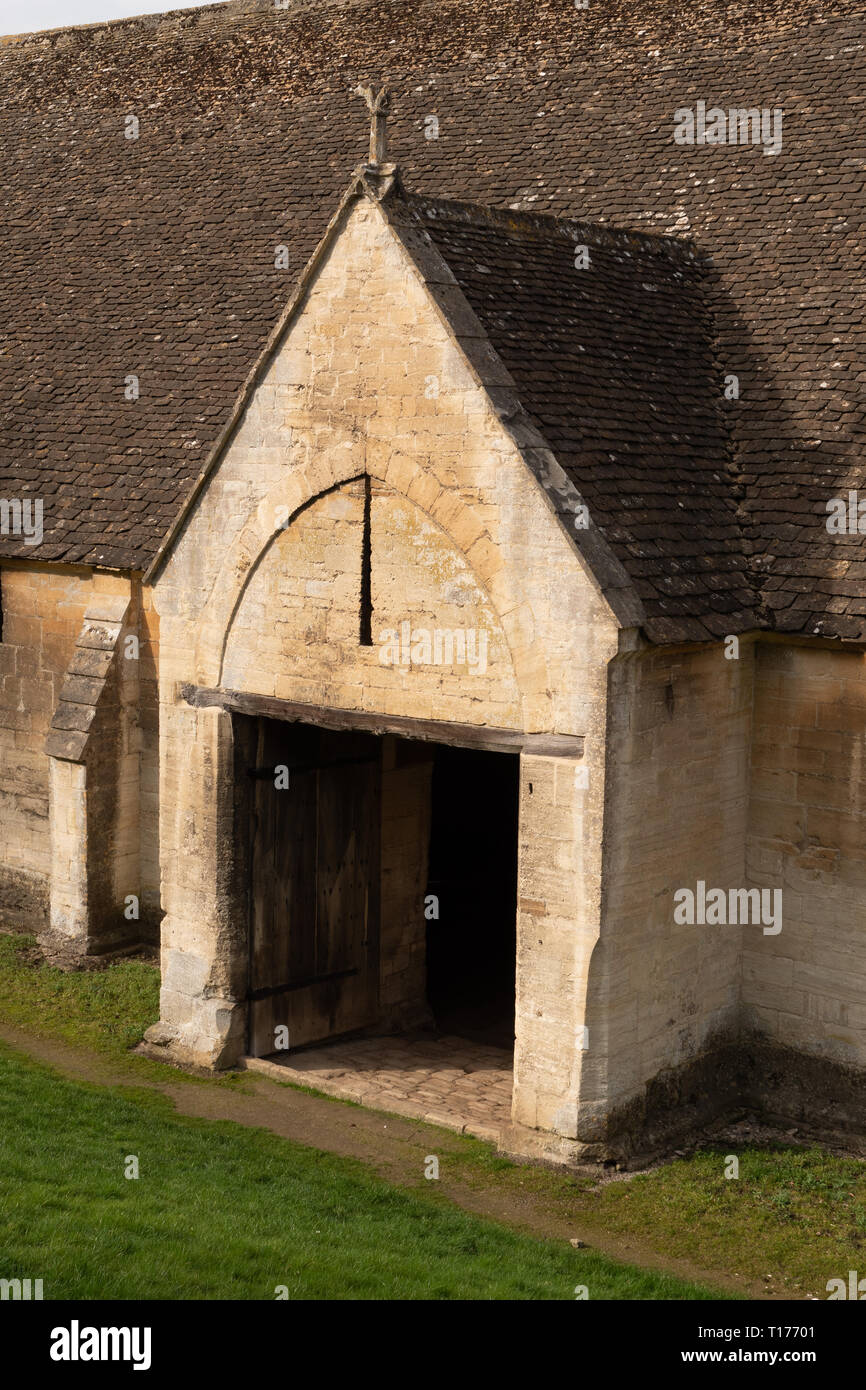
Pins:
x,y
432,586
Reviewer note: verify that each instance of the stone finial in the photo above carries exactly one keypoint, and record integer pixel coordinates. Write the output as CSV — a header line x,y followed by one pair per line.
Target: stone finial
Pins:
x,y
378,104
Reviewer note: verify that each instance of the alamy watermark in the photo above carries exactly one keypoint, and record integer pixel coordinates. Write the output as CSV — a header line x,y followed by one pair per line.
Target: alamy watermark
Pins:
x,y
423,646
714,907
19,1290
854,1290
846,516
739,125
22,517
77,1343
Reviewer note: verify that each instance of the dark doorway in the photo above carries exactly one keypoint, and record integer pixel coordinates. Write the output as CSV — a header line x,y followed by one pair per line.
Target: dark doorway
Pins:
x,y
312,863
471,948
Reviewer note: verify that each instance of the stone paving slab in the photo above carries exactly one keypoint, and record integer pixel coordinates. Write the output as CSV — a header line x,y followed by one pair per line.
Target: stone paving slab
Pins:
x,y
448,1081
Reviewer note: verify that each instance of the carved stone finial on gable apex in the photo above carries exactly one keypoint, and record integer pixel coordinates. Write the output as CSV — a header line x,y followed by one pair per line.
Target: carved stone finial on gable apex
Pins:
x,y
378,104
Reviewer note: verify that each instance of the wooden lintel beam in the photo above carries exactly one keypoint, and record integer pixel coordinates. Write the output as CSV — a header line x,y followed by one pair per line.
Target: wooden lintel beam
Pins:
x,y
480,736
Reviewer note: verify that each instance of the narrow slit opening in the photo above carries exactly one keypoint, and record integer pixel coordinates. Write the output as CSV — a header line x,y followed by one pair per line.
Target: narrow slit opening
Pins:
x,y
366,624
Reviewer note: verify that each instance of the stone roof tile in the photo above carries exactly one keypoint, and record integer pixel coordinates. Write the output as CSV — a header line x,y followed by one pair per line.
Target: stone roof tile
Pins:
x,y
154,257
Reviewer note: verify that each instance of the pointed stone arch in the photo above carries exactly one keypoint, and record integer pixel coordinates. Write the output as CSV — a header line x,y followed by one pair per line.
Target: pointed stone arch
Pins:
x,y
456,518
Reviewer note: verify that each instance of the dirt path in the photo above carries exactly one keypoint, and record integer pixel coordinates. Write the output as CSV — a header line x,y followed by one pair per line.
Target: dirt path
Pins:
x,y
394,1147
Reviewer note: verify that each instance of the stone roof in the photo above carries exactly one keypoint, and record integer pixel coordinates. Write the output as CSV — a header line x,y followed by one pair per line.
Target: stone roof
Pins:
x,y
154,257
615,365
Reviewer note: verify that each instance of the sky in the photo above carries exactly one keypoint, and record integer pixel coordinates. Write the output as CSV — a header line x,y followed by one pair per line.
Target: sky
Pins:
x,y
26,16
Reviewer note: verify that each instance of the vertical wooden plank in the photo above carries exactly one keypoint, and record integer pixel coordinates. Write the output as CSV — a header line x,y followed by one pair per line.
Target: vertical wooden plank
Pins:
x,y
315,890
338,871
295,878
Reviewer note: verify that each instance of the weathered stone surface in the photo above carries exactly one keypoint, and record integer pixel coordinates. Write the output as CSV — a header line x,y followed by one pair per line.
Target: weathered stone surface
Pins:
x,y
90,662
95,803
261,594
66,743
81,690
529,102
43,614
73,716
451,358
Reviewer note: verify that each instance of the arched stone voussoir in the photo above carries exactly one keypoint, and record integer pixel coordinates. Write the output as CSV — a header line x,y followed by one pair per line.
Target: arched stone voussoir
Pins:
x,y
273,515
457,519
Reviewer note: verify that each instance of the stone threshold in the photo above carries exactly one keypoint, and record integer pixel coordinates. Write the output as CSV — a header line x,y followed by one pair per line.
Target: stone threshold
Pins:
x,y
460,1085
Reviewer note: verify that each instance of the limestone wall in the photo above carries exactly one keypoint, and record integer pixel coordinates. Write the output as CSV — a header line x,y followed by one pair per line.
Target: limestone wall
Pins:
x,y
261,594
745,774
43,614
307,648
680,727
148,728
369,380
43,609
806,986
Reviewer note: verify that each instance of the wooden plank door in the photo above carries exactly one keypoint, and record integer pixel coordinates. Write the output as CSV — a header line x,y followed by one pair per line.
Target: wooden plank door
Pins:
x,y
314,903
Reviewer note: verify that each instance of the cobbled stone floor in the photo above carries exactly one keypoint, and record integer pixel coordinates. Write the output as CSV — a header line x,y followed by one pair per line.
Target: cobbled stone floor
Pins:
x,y
462,1085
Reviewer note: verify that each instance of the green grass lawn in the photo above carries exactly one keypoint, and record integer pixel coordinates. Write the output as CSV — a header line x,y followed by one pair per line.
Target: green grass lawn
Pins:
x,y
794,1218
795,1214
223,1212
106,1010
